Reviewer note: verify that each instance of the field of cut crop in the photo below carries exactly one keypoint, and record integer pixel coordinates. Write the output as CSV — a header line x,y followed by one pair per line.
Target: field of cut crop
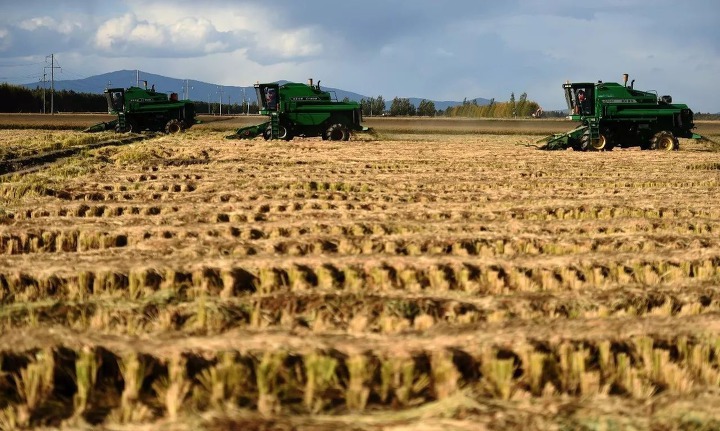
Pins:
x,y
424,277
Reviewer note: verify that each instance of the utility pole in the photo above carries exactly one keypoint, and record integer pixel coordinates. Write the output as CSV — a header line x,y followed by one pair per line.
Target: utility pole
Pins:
x,y
52,68
187,90
220,90
243,105
44,77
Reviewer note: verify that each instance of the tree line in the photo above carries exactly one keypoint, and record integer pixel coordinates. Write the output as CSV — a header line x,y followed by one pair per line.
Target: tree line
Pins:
x,y
15,98
18,99
520,108
398,107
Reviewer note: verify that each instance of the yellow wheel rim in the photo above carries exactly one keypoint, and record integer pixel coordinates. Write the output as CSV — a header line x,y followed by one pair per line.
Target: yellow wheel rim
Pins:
x,y
598,144
665,143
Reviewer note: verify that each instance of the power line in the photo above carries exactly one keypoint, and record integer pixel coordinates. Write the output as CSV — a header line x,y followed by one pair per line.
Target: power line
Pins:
x,y
20,65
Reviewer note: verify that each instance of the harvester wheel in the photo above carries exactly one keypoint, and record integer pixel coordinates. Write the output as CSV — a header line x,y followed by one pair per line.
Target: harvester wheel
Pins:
x,y
337,132
133,127
664,141
284,133
267,133
588,144
173,126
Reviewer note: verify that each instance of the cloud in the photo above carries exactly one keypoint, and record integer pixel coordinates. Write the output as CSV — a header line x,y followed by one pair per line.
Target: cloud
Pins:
x,y
64,26
189,37
406,48
5,40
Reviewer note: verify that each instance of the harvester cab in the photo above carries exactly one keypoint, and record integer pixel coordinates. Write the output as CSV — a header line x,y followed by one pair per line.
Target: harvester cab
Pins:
x,y
115,100
617,115
580,98
267,95
303,110
139,109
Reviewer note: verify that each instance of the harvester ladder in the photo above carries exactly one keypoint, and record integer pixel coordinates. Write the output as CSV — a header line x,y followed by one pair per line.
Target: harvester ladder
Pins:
x,y
121,121
594,126
274,125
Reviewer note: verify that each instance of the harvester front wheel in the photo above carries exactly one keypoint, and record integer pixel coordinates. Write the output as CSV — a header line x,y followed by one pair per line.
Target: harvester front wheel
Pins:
x,y
284,133
664,141
589,144
173,126
338,132
133,126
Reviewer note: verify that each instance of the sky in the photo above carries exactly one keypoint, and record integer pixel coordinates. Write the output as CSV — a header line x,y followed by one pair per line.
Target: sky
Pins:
x,y
432,49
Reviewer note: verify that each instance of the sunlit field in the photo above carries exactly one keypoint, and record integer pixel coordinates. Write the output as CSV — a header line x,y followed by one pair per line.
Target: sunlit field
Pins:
x,y
433,274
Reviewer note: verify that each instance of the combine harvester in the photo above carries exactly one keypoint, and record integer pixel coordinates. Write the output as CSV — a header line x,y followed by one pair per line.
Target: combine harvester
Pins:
x,y
614,115
139,109
302,110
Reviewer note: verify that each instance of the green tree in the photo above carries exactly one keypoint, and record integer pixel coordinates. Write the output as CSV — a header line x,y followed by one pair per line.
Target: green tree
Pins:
x,y
366,106
401,106
426,108
522,106
378,106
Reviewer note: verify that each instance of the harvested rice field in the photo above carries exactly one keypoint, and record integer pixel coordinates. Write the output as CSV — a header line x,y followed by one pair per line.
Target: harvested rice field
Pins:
x,y
430,276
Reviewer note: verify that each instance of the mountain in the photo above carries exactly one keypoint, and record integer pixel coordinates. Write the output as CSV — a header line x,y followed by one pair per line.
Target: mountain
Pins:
x,y
201,91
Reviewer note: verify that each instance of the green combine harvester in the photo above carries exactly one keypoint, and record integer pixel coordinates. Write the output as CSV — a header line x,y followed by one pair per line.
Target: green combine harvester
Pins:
x,y
302,110
140,109
614,115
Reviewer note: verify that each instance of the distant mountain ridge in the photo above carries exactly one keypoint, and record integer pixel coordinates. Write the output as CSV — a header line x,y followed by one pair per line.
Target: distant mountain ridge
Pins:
x,y
204,91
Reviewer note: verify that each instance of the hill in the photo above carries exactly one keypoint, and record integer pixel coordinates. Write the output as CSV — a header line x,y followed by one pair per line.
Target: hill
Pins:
x,y
202,91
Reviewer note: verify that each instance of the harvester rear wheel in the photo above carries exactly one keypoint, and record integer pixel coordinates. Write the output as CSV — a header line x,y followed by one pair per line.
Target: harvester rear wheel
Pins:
x,y
173,126
664,141
267,133
337,132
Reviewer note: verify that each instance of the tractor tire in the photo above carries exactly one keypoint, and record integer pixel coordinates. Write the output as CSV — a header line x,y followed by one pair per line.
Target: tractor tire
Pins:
x,y
664,141
267,133
284,133
133,127
610,139
173,126
587,144
337,132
